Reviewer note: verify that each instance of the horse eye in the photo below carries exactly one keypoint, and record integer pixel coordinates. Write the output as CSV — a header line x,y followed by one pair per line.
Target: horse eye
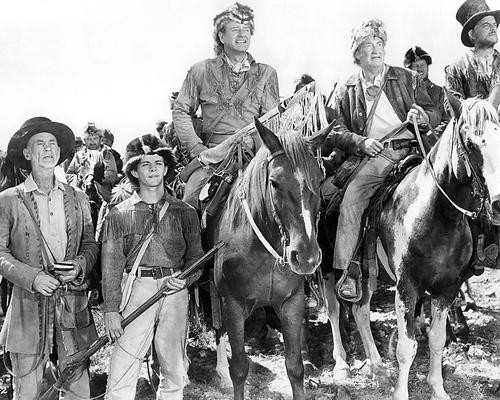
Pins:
x,y
275,184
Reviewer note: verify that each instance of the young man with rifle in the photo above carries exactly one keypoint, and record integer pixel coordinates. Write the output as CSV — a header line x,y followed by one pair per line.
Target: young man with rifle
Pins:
x,y
151,237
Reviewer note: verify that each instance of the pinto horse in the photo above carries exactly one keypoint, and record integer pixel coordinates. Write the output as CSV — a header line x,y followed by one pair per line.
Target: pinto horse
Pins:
x,y
269,226
425,231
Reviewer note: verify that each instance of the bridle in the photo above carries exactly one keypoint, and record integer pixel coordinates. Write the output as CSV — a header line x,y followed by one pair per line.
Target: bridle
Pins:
x,y
281,261
479,189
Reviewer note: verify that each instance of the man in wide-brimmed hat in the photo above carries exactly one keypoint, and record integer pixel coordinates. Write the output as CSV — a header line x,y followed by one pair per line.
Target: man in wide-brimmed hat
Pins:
x,y
231,90
371,108
175,243
418,60
47,250
478,71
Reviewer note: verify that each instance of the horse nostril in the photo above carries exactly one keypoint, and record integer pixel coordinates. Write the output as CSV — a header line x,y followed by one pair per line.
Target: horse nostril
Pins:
x,y
294,257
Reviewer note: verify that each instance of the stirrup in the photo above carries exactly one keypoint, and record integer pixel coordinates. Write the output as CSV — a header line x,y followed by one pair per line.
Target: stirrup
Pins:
x,y
359,287
486,257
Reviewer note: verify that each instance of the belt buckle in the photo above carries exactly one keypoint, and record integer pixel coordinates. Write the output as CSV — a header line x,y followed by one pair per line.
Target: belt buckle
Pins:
x,y
157,273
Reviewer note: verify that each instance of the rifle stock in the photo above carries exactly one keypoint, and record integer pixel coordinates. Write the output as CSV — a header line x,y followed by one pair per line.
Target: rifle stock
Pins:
x,y
69,371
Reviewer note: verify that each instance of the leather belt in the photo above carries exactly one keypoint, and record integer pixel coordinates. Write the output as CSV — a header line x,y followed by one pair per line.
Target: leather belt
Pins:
x,y
156,272
398,144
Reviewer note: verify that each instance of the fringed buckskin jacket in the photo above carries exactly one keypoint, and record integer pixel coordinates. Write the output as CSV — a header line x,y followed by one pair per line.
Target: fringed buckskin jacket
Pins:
x,y
176,242
403,88
211,84
466,78
30,317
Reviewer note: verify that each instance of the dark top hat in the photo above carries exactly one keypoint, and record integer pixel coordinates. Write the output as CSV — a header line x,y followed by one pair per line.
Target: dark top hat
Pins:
x,y
63,134
469,14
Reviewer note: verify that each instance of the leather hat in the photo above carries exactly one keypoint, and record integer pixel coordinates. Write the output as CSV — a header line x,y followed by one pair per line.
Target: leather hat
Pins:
x,y
470,13
18,142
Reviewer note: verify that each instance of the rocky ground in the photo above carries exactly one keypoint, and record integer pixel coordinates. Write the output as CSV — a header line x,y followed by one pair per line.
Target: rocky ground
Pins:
x,y
472,368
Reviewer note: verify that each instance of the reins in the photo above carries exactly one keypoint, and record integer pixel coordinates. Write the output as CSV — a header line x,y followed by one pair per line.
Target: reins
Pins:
x,y
465,158
280,260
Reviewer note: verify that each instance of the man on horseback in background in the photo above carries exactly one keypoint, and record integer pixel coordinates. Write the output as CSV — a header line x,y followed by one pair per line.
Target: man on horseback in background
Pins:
x,y
94,164
371,107
418,60
231,89
478,74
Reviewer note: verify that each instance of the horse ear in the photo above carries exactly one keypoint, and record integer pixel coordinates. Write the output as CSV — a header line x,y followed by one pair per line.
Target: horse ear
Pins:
x,y
316,141
452,104
268,137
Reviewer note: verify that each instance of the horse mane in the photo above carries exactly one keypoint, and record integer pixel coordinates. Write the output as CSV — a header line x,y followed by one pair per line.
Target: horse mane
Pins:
x,y
475,113
10,175
253,181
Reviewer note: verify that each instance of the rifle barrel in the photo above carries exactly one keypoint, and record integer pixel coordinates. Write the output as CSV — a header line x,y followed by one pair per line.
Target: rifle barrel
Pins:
x,y
103,340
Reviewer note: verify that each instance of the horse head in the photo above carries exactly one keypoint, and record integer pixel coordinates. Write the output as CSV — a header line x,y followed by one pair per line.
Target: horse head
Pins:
x,y
477,133
292,193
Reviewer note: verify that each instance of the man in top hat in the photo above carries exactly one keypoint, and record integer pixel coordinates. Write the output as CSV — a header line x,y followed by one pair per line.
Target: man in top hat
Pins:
x,y
175,244
48,265
231,89
371,108
478,71
418,60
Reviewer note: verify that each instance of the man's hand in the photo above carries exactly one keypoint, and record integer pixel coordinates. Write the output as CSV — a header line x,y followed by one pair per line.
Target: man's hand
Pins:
x,y
113,324
371,147
418,112
175,283
71,275
45,284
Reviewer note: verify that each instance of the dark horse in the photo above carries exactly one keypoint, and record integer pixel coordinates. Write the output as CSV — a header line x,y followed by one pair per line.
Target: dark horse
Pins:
x,y
279,190
426,234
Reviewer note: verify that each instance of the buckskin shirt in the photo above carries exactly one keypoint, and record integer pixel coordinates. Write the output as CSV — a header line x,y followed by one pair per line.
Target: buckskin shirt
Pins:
x,y
28,323
473,76
211,84
175,243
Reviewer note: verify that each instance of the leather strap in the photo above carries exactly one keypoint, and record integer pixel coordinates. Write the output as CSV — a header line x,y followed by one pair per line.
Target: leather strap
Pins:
x,y
47,260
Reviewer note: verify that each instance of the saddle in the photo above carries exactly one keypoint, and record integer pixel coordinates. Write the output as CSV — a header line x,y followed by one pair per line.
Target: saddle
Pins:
x,y
363,266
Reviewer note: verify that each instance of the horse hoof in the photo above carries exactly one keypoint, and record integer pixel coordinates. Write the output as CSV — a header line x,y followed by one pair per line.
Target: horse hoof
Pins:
x,y
341,374
225,381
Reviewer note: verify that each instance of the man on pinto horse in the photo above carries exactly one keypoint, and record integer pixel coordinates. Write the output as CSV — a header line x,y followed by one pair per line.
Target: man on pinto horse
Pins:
x,y
477,74
372,110
231,89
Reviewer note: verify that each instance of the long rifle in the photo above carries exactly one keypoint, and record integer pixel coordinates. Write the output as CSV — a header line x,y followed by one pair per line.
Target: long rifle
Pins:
x,y
70,369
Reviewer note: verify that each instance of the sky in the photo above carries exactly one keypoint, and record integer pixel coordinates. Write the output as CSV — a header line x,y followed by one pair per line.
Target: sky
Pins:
x,y
116,63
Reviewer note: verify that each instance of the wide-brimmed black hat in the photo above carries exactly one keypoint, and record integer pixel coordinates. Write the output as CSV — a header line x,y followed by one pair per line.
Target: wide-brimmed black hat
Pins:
x,y
414,54
63,134
148,145
470,13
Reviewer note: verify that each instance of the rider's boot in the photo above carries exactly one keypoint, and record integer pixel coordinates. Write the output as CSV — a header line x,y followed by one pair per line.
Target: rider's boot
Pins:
x,y
349,285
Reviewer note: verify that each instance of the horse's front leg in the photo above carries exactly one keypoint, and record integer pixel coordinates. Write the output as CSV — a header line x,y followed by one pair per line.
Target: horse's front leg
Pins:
x,y
291,315
407,344
341,368
361,313
234,321
437,338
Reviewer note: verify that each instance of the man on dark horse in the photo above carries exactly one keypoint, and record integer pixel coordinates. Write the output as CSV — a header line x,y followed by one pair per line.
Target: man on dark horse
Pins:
x,y
231,89
372,110
477,74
